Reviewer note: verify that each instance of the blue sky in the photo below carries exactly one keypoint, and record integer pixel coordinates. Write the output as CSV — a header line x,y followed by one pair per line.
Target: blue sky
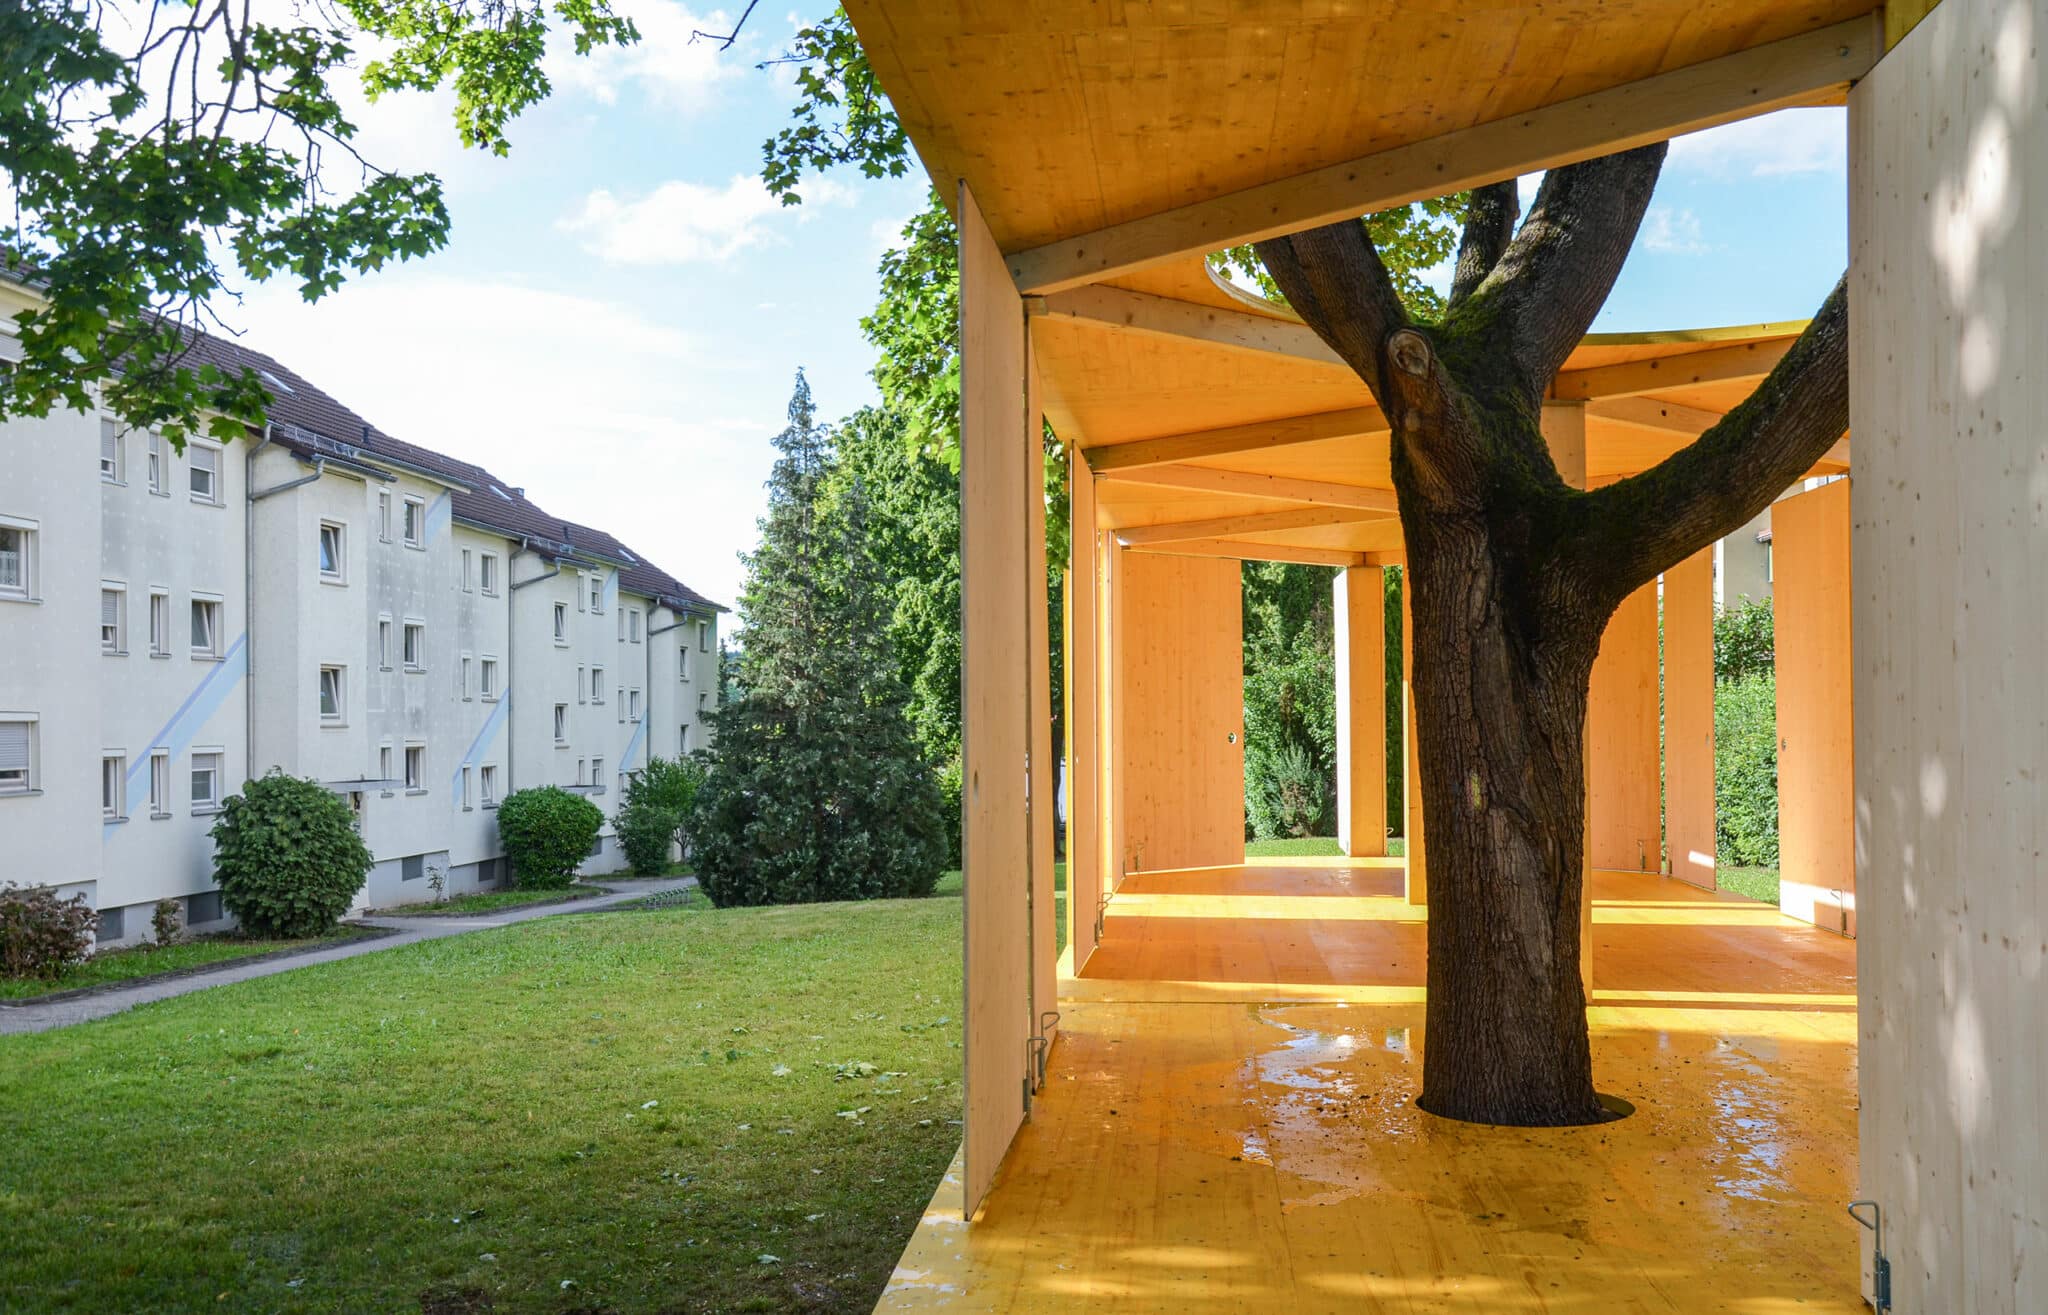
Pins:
x,y
617,319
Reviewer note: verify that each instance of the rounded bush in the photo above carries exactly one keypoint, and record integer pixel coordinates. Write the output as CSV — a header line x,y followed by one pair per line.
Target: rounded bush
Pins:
x,y
547,833
287,857
40,934
647,834
1746,771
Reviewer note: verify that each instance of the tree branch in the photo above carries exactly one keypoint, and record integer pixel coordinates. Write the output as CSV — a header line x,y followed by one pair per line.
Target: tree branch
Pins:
x,y
1655,520
1556,274
1489,227
1333,278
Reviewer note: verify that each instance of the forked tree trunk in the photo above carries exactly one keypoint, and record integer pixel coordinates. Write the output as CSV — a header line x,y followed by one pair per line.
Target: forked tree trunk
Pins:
x,y
1512,576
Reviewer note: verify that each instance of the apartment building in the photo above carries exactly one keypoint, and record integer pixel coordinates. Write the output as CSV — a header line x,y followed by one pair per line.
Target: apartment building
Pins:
x,y
402,626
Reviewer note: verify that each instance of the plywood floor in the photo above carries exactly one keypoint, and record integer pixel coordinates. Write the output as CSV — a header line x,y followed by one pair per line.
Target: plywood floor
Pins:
x,y
1229,1121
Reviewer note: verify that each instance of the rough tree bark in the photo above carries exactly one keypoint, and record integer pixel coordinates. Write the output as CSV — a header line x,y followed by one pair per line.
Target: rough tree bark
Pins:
x,y
1513,576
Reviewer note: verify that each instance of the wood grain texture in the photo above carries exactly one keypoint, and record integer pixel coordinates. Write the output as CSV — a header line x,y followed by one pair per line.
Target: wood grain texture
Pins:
x,y
997,459
1038,684
1182,666
1084,744
1689,719
1816,745
1360,601
1623,830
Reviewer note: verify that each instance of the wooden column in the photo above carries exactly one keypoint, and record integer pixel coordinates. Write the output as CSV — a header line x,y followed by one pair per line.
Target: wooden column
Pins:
x,y
1084,780
1623,828
1816,745
1038,680
1109,606
1564,432
1415,865
1689,718
1361,626
996,452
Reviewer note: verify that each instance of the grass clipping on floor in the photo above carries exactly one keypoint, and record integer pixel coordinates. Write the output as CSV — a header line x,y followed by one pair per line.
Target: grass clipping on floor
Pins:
x,y
662,1111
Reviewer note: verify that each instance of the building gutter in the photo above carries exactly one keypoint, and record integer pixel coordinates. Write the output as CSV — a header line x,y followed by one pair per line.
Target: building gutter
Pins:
x,y
249,602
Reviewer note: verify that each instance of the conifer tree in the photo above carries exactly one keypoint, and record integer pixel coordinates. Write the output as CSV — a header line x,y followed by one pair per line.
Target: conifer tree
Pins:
x,y
815,789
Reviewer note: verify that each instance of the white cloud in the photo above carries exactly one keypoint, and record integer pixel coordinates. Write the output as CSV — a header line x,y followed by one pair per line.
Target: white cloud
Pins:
x,y
1673,231
682,222
672,69
1806,141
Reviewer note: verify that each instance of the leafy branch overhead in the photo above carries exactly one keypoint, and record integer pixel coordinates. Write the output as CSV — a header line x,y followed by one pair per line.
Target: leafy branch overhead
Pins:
x,y
152,150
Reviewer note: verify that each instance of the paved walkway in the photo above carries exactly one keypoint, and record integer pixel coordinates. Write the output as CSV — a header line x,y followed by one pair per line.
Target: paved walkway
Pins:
x,y
63,1013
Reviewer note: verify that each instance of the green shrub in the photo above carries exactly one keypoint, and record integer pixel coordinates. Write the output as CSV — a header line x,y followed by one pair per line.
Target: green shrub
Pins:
x,y
41,935
167,920
1287,792
287,857
547,833
1745,639
651,816
1746,771
950,794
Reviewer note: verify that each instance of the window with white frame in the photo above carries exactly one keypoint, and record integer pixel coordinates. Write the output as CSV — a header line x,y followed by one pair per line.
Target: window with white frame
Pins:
x,y
561,623
113,453
159,623
582,685
159,465
17,754
206,628
633,705
579,771
206,782
333,552
384,515
597,772
415,523
683,662
17,558
597,684
683,738
462,679
487,675
622,624
384,764
467,802
333,695
561,723
487,780
703,636
384,642
203,474
113,787
633,626
466,563
159,783
487,572
415,766
415,646
597,592
113,617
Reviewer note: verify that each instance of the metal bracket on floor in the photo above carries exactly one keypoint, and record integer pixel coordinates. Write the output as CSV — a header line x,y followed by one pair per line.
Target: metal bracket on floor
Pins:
x,y
1034,1068
1042,1048
1880,1266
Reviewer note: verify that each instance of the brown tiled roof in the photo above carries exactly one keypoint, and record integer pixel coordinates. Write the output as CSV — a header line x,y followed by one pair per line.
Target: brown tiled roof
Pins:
x,y
307,420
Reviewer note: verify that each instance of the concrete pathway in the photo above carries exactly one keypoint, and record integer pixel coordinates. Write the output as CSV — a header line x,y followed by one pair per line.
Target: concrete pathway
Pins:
x,y
33,1017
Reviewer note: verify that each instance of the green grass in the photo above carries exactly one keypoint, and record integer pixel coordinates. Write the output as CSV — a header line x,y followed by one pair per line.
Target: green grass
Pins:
x,y
619,1111
1757,883
488,901
1310,847
148,961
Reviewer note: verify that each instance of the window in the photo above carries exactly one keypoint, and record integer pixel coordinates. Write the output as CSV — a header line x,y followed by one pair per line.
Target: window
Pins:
x,y
701,703
112,925
683,662
203,907
17,755
384,515
487,568
597,684
159,623
415,646
561,723
579,771
597,592
633,705
415,523
465,570
582,689
203,476
17,558
622,625
487,779
633,626
159,783
703,636
206,769
462,679
159,459
384,764
113,453
333,695
113,618
206,627
412,867
561,623
416,767
466,804
487,671
597,773
113,782
384,642
332,559
683,738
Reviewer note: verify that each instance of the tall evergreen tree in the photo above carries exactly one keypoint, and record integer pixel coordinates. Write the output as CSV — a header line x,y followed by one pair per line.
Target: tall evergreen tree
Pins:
x,y
816,789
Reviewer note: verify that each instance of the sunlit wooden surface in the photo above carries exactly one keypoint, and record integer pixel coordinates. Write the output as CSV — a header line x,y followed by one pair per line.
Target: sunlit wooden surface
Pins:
x,y
1229,1121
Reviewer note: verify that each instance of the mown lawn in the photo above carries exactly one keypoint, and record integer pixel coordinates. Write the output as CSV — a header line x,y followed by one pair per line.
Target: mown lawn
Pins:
x,y
487,901
674,1111
1309,847
1757,883
150,960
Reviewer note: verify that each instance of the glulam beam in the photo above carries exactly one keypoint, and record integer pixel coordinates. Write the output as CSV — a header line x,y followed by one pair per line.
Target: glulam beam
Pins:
x,y
1250,484
1224,527
1351,422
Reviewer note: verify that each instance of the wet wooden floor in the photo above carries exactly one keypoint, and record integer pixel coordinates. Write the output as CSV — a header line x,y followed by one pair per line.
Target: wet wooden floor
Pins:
x,y
1229,1121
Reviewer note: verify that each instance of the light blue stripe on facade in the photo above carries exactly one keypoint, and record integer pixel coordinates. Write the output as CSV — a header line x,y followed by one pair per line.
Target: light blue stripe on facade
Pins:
x,y
178,733
487,733
440,515
611,591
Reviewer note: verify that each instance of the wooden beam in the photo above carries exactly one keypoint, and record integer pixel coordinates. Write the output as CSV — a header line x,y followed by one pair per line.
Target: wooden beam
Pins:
x,y
1902,16
1750,360
1811,68
1649,413
1835,461
1122,310
1246,550
1252,485
1225,527
1353,422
